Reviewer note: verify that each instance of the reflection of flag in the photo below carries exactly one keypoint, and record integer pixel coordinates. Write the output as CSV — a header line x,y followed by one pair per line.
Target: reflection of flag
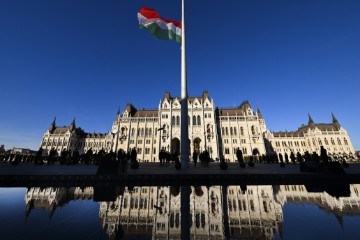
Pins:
x,y
159,27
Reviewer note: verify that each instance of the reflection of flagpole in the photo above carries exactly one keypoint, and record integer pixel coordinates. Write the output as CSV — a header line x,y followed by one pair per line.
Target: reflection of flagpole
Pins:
x,y
184,103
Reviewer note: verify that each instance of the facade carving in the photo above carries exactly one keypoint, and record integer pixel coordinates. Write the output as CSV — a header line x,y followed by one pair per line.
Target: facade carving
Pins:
x,y
219,130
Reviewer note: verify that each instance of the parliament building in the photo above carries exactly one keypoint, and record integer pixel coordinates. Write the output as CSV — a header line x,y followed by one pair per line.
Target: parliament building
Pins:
x,y
219,130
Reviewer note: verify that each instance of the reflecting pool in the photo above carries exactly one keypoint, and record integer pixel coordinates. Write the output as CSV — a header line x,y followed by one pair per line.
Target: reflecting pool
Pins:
x,y
157,212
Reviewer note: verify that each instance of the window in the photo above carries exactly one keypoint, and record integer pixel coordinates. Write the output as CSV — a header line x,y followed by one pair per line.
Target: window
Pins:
x,y
231,131
339,141
173,120
194,120
227,151
252,130
132,132
242,131
139,141
235,133
177,120
147,150
198,120
244,150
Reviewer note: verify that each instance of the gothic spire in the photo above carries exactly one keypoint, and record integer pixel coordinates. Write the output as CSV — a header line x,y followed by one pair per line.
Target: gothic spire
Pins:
x,y
335,122
259,113
311,122
54,121
72,125
53,125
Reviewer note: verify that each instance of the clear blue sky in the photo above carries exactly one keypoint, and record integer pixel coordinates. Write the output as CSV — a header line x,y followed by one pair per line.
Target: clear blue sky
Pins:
x,y
83,59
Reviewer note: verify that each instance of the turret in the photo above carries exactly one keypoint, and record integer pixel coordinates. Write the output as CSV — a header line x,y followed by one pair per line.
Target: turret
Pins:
x,y
53,125
72,125
117,114
335,122
259,114
311,122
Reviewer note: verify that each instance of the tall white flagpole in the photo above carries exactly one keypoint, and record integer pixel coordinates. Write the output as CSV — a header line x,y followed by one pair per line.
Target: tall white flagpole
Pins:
x,y
184,101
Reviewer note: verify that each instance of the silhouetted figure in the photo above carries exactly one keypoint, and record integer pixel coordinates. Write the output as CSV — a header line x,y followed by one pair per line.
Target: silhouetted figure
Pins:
x,y
286,158
251,161
292,157
195,157
239,156
282,164
299,158
323,155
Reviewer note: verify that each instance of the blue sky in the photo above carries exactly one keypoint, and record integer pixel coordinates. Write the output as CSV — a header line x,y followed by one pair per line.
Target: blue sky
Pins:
x,y
83,59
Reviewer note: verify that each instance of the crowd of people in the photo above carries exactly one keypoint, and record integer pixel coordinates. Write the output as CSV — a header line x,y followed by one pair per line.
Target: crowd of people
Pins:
x,y
124,159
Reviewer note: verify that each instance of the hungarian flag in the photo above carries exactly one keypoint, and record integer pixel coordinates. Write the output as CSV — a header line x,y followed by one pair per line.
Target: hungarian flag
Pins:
x,y
159,27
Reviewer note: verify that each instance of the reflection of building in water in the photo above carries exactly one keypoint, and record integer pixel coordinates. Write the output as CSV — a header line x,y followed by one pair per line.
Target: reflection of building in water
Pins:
x,y
249,212
339,206
50,198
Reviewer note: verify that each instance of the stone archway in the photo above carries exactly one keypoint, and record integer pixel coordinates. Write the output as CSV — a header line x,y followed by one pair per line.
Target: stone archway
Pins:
x,y
197,144
175,146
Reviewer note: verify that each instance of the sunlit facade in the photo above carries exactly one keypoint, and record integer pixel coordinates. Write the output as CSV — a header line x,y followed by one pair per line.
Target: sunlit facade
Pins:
x,y
219,130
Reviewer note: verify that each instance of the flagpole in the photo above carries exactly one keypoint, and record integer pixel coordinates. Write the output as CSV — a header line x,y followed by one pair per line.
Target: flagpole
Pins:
x,y
184,101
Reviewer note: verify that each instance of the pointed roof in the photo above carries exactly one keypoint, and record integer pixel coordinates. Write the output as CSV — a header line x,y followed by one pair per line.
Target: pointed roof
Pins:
x,y
259,113
335,122
310,118
73,122
54,121
311,122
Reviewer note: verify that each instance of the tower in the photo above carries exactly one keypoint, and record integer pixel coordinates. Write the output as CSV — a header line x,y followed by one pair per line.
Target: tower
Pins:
x,y
311,122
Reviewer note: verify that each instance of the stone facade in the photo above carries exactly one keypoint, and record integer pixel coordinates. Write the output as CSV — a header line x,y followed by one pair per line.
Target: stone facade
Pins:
x,y
219,130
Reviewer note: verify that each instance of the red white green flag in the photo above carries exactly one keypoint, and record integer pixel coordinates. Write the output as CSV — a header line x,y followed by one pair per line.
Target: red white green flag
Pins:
x,y
159,27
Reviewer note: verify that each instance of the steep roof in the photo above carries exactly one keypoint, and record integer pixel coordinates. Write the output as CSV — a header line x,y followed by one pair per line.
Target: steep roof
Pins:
x,y
239,111
146,113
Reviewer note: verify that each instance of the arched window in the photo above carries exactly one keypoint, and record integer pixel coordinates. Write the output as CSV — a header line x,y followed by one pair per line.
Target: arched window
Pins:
x,y
320,142
345,141
339,141
139,132
223,130
231,131
150,132
332,141
242,131
188,120
226,131
142,132
194,120
198,120
173,120
252,130
177,120
132,132
235,133
326,141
